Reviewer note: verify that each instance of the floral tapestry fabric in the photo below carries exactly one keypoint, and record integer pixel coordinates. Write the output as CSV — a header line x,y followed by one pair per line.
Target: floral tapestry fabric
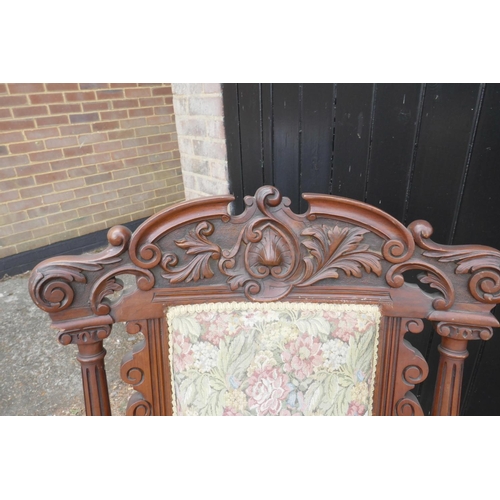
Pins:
x,y
283,358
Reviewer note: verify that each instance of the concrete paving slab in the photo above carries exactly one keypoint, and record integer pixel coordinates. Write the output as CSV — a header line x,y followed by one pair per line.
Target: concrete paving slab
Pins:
x,y
38,375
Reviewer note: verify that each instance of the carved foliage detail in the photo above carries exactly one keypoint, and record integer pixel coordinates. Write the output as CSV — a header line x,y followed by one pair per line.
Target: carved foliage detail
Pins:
x,y
333,249
483,263
196,244
432,275
272,251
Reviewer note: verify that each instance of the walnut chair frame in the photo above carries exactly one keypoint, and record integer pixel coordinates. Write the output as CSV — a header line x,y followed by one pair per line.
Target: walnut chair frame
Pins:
x,y
340,250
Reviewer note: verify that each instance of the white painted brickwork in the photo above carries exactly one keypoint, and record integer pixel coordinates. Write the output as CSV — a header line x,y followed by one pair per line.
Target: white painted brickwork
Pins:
x,y
201,136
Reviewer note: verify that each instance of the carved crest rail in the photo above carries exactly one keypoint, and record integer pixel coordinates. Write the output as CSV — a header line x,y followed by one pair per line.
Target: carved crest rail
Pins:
x,y
339,250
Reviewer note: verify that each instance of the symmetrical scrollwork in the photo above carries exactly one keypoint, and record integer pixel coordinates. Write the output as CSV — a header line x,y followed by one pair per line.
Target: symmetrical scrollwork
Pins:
x,y
266,253
276,251
463,332
84,335
271,261
271,252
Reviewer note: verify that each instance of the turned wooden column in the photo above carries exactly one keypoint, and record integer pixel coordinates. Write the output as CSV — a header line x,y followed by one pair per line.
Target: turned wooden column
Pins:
x,y
91,355
453,351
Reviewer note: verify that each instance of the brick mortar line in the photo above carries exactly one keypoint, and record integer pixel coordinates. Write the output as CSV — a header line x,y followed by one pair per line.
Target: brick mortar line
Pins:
x,y
198,117
45,217
29,129
209,177
47,91
79,156
203,157
199,137
208,94
70,190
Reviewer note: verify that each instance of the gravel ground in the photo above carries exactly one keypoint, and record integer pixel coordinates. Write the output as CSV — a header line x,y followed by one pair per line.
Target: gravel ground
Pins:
x,y
40,376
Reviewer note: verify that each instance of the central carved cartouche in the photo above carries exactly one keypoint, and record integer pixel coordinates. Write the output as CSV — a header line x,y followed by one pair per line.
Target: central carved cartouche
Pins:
x,y
270,255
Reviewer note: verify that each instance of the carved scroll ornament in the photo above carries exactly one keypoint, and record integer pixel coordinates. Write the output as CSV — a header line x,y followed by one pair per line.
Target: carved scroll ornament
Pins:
x,y
270,255
481,262
277,250
272,251
52,283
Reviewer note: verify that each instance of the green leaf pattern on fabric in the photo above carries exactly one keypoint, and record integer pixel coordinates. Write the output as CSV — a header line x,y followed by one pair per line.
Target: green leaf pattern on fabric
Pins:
x,y
273,360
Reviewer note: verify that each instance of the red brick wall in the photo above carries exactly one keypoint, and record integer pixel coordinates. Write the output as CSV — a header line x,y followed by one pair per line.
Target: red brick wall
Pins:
x,y
77,158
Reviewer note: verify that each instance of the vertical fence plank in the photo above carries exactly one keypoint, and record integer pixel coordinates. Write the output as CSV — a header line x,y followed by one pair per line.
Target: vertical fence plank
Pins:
x,y
232,126
352,139
394,127
286,126
442,148
250,135
479,222
267,132
317,136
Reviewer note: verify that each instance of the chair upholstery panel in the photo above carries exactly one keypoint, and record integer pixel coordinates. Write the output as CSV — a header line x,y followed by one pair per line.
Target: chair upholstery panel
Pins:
x,y
278,358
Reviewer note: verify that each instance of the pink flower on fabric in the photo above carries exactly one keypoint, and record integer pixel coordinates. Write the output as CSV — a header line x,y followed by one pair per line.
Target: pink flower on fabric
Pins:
x,y
346,328
229,412
356,409
286,413
302,356
183,355
223,325
267,390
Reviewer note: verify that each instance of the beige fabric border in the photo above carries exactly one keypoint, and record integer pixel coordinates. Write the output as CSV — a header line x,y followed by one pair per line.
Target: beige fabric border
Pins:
x,y
175,311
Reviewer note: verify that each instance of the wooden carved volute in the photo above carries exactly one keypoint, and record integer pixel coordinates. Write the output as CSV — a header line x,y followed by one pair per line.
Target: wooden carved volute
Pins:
x,y
340,250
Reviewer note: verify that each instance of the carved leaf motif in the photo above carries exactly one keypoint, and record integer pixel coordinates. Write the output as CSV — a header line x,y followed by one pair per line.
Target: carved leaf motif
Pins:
x,y
433,281
109,287
237,280
468,260
203,250
337,248
484,265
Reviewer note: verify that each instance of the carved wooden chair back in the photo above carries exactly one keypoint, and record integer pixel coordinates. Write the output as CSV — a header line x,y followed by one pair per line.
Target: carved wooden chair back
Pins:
x,y
270,312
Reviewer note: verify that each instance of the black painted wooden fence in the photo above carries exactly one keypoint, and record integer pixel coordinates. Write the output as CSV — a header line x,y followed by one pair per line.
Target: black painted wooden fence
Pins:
x,y
417,151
